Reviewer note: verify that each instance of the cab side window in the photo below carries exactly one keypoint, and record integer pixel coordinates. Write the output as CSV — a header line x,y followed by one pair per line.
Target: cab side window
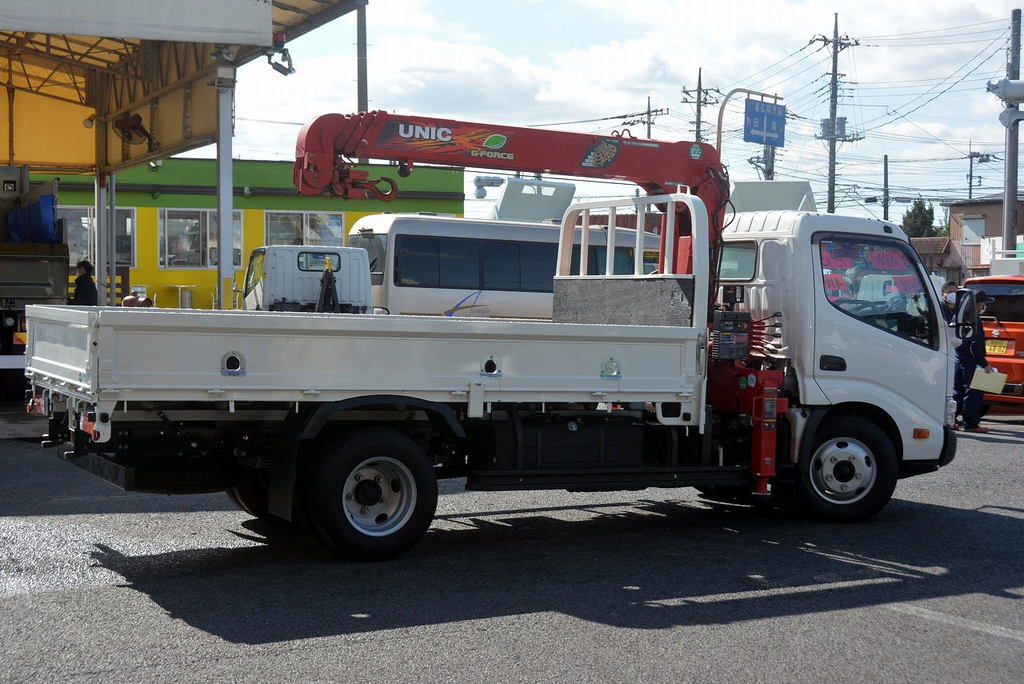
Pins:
x,y
878,283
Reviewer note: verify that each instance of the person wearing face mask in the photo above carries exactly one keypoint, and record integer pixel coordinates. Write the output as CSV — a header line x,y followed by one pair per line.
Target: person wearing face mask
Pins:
x,y
949,300
969,357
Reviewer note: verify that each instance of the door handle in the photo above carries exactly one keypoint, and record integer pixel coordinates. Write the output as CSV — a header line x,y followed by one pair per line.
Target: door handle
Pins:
x,y
832,363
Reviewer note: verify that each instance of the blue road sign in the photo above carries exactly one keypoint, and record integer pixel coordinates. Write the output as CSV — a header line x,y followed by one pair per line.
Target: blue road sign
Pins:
x,y
764,123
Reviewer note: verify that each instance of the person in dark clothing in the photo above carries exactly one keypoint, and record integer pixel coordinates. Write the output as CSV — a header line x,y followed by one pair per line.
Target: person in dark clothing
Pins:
x,y
949,300
969,357
85,288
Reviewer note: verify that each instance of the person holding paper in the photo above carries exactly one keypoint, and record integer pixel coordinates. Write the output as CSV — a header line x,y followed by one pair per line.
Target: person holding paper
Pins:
x,y
970,356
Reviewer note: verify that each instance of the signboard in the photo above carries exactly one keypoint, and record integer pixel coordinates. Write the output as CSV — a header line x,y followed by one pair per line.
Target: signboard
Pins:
x,y
764,123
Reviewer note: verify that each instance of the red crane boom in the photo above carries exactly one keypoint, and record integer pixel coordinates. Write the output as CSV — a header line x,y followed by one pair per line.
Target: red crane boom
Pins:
x,y
326,145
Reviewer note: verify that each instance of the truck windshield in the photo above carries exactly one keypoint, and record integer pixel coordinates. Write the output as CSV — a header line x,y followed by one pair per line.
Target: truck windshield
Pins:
x,y
254,274
376,245
1009,304
878,283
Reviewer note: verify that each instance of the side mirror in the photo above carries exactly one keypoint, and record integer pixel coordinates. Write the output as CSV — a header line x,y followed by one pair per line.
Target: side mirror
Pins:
x,y
965,316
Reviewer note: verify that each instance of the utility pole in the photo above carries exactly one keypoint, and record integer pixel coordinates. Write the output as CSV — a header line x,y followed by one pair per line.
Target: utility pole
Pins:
x,y
831,127
769,162
982,158
885,187
648,117
1010,189
699,99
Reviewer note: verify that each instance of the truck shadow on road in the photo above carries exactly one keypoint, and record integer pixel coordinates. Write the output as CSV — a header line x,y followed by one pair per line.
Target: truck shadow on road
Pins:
x,y
645,565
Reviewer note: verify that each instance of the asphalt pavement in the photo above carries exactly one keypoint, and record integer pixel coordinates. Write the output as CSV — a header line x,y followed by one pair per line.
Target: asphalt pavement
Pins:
x,y
102,585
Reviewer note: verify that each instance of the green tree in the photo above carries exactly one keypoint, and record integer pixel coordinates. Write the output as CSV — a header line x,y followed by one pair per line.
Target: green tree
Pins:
x,y
918,220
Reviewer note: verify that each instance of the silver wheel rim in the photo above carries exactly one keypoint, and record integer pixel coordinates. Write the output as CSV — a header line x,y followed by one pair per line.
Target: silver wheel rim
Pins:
x,y
843,471
379,496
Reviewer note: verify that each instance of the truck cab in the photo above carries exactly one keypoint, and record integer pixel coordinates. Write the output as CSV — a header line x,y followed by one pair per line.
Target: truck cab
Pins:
x,y
287,278
861,330
1004,335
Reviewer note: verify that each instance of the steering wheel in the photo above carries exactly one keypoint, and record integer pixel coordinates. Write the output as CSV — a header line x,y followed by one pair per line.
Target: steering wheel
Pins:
x,y
896,303
861,306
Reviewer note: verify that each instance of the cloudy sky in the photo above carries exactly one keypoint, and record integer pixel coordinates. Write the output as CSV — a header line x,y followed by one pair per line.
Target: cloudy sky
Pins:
x,y
913,85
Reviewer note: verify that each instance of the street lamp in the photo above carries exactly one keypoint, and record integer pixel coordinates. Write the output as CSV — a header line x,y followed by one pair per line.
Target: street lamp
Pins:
x,y
1011,92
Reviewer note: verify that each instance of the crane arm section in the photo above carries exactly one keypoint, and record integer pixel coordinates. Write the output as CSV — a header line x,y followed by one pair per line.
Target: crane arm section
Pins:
x,y
326,145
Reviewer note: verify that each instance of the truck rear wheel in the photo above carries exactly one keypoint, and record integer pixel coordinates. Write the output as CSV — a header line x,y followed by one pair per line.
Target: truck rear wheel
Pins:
x,y
372,495
851,472
250,495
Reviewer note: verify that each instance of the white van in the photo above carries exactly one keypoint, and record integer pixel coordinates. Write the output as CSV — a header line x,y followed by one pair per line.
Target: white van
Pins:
x,y
446,266
287,278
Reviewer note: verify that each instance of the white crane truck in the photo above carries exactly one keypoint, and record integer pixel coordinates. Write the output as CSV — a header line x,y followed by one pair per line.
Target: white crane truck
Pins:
x,y
821,377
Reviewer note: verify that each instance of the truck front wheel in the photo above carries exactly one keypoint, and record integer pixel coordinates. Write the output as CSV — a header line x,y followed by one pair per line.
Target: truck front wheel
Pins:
x,y
372,495
851,472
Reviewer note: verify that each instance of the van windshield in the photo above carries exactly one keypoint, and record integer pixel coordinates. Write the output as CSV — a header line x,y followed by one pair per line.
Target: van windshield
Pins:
x,y
376,245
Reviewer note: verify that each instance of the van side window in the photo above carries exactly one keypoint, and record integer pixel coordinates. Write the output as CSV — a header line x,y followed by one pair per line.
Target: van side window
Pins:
x,y
537,266
459,263
501,265
878,283
416,261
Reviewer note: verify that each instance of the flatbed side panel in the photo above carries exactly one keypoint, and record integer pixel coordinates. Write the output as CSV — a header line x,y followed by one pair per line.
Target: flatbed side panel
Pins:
x,y
186,355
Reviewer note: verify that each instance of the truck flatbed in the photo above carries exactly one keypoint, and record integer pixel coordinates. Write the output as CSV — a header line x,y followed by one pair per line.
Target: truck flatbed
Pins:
x,y
106,355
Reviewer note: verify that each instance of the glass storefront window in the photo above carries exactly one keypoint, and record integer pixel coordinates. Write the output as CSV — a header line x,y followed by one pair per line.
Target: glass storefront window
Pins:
x,y
236,239
80,234
284,228
183,238
317,228
325,229
189,238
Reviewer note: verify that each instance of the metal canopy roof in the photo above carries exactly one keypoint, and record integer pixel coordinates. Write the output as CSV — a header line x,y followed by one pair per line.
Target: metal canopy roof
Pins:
x,y
60,85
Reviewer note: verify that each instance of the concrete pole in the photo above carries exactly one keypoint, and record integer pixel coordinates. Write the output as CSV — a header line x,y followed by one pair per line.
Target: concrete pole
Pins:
x,y
1010,187
225,186
699,95
832,105
885,187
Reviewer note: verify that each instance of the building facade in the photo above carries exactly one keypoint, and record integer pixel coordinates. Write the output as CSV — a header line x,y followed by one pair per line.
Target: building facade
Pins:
x,y
976,229
167,230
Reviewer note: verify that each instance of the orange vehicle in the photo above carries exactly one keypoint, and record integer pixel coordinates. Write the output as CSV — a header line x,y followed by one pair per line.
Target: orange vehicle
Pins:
x,y
1004,335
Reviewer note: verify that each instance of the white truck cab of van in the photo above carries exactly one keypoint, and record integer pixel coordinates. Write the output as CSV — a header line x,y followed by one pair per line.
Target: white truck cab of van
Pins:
x,y
287,278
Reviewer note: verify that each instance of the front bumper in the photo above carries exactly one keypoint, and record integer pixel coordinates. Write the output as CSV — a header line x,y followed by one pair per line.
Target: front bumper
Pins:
x,y
909,468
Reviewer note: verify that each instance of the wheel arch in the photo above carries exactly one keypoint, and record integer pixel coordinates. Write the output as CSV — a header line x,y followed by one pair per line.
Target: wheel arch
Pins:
x,y
308,425
873,414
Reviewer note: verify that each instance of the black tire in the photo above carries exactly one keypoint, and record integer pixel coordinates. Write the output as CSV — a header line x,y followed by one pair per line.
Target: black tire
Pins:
x,y
250,495
850,473
371,495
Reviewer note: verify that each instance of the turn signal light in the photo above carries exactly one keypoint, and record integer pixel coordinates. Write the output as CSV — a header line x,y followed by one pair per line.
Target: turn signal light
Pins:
x,y
921,433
